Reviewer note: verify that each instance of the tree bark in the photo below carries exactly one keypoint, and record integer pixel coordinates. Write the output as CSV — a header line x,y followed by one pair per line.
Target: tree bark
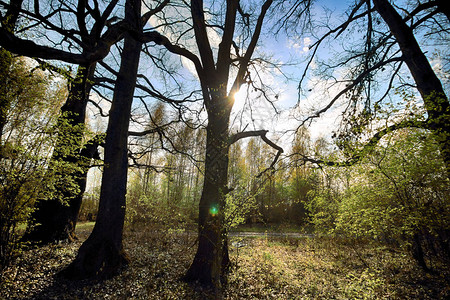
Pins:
x,y
53,220
428,84
5,65
211,258
102,254
8,23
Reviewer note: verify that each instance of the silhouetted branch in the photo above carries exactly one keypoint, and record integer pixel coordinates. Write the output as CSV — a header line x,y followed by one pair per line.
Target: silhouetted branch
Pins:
x,y
368,147
261,133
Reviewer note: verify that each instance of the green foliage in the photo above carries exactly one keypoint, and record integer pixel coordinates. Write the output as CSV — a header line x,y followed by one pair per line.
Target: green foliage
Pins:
x,y
26,143
399,194
5,65
364,213
238,204
89,206
322,207
147,211
149,207
403,188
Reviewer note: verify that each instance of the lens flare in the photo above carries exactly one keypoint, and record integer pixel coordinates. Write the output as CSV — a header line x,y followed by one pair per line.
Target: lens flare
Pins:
x,y
213,210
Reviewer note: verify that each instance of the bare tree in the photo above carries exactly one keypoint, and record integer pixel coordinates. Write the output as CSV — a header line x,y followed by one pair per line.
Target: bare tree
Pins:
x,y
102,254
95,33
221,70
396,42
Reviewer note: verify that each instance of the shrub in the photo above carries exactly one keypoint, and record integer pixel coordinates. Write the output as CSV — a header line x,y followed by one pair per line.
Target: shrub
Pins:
x,y
31,103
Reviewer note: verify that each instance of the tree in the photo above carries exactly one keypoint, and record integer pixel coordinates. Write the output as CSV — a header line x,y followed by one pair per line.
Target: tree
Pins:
x,y
213,67
399,196
302,176
33,99
102,254
218,100
389,45
400,44
428,84
55,220
8,23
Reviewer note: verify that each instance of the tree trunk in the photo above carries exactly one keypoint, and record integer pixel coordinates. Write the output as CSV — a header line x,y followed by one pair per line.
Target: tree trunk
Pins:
x,y
53,220
428,84
9,22
102,254
418,253
52,215
444,8
211,258
89,152
5,65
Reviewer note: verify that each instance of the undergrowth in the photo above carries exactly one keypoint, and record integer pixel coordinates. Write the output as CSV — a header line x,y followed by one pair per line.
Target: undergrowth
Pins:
x,y
263,268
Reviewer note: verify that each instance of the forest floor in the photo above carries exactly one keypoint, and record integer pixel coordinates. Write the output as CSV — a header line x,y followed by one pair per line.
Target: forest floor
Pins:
x,y
266,267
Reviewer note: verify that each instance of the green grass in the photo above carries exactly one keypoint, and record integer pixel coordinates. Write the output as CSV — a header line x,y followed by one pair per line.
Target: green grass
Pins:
x,y
21,227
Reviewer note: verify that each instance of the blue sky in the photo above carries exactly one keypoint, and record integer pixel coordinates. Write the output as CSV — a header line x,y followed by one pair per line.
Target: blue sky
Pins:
x,y
283,48
293,49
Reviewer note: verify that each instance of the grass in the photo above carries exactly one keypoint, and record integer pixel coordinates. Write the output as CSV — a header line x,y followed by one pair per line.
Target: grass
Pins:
x,y
284,228
85,226
325,268
263,268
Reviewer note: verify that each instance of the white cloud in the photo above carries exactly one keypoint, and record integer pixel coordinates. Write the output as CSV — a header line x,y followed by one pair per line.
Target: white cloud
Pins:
x,y
307,41
300,45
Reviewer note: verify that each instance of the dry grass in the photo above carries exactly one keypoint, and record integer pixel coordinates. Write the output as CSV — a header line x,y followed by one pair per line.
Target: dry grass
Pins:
x,y
324,268
309,268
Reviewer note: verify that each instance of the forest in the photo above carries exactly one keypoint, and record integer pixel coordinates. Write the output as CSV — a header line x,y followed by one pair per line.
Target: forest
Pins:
x,y
203,149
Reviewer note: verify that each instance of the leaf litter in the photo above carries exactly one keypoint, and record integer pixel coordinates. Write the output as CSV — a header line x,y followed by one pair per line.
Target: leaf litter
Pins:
x,y
262,268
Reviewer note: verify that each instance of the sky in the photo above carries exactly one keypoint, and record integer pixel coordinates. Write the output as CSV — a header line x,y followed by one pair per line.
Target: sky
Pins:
x,y
320,90
250,112
284,49
293,50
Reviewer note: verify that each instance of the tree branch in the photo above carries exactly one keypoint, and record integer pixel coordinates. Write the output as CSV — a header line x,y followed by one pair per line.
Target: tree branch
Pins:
x,y
251,48
355,81
369,146
262,133
159,39
223,56
201,37
151,12
245,134
28,48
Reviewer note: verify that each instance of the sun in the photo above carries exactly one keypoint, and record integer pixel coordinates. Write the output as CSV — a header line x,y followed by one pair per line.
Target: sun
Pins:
x,y
239,96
